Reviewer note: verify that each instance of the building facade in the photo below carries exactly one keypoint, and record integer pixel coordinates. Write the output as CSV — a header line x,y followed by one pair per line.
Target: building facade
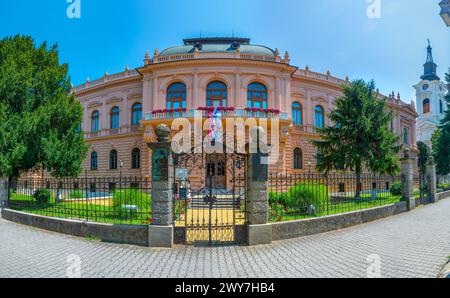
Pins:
x,y
430,93
122,110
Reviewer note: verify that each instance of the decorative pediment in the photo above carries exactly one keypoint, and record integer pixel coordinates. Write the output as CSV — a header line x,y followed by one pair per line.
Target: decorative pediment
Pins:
x,y
298,94
94,104
423,125
135,96
114,100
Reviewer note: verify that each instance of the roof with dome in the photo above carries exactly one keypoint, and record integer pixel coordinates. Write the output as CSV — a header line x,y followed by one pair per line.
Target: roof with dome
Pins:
x,y
218,45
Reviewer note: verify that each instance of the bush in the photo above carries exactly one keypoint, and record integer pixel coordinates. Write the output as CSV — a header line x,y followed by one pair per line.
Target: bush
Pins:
x,y
42,196
396,189
77,194
131,197
299,198
277,198
303,196
444,186
277,212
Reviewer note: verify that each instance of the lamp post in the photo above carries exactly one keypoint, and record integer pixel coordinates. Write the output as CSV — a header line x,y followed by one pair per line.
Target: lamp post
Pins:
x,y
120,173
309,167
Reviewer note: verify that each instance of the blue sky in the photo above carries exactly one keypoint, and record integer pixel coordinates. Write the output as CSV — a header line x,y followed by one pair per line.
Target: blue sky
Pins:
x,y
334,35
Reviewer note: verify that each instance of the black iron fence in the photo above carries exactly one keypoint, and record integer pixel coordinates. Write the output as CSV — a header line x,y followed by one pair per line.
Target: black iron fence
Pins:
x,y
127,200
301,196
121,200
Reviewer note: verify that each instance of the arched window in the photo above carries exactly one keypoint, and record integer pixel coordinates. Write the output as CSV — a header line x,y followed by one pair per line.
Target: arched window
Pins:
x,y
257,96
113,160
136,158
298,159
95,121
94,161
297,113
319,117
405,136
216,94
136,114
115,115
426,106
176,96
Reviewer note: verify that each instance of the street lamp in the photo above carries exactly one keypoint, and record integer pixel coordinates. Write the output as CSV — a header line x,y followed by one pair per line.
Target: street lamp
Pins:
x,y
120,172
309,167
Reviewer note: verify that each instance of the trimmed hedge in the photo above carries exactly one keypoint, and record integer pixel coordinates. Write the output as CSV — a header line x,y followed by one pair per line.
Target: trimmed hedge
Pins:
x,y
130,197
42,196
396,189
300,197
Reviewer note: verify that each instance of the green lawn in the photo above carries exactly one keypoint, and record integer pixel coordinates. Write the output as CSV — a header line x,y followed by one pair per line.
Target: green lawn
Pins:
x,y
334,208
107,214
89,211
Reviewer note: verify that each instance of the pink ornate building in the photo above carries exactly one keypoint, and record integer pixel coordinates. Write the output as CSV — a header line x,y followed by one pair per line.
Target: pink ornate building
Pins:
x,y
121,110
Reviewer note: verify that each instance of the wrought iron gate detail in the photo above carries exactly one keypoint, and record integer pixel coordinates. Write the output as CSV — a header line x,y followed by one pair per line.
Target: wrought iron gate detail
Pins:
x,y
210,197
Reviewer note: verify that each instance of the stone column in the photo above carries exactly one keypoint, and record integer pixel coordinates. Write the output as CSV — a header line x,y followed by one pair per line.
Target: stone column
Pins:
x,y
237,102
161,231
259,231
194,102
147,95
308,112
155,88
407,179
431,181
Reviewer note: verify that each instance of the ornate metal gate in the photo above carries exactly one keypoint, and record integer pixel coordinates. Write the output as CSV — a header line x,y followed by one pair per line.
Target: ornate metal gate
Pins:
x,y
209,197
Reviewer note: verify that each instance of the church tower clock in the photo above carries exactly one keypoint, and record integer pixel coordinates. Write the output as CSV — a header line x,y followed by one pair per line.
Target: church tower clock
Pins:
x,y
430,94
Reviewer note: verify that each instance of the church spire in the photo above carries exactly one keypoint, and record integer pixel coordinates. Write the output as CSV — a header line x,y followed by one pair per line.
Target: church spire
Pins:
x,y
430,67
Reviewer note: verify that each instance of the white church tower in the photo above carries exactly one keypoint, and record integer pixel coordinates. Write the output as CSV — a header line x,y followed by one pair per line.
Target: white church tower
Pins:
x,y
430,94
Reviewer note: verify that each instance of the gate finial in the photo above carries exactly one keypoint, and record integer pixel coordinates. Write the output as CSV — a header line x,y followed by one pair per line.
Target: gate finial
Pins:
x,y
162,133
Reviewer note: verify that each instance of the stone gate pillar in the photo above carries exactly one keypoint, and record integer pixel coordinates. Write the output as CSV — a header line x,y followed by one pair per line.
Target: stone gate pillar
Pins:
x,y
161,230
259,231
3,192
407,179
431,180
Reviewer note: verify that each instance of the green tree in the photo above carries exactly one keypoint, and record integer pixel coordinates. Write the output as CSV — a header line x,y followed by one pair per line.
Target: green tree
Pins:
x,y
424,156
39,115
360,139
441,139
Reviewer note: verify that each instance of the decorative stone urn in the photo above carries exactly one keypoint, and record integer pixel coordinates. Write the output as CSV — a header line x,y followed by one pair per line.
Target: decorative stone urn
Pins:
x,y
162,132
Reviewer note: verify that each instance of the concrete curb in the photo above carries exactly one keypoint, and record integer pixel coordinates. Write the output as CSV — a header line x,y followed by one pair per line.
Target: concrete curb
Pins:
x,y
134,235
446,272
306,227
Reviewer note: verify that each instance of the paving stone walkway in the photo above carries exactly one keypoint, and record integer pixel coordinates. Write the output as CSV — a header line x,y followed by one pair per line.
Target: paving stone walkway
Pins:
x,y
415,244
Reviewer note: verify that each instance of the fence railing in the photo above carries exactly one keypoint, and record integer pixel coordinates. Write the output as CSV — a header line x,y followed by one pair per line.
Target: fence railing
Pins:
x,y
127,200
301,196
118,200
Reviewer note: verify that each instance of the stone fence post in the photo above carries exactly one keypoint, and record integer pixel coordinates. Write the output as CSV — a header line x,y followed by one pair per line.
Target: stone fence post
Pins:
x,y
3,192
432,180
161,230
259,231
407,179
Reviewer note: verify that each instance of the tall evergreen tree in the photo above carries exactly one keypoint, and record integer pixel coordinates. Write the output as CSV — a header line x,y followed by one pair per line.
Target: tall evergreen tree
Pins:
x,y
39,116
424,156
441,142
360,139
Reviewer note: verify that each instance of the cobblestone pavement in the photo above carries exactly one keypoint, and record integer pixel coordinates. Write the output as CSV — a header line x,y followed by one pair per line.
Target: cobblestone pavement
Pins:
x,y
414,244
